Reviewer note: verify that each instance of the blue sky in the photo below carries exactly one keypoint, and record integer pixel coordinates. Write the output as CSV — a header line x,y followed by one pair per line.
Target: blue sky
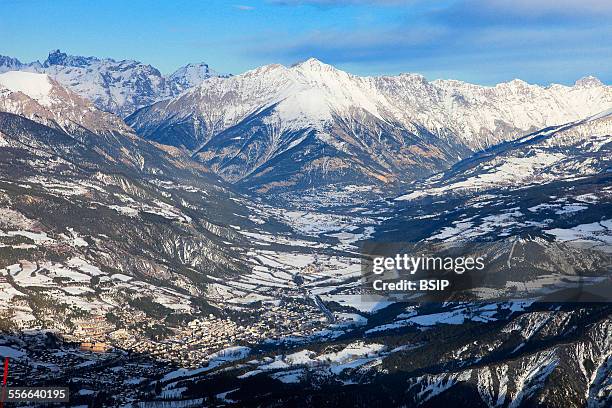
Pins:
x,y
481,41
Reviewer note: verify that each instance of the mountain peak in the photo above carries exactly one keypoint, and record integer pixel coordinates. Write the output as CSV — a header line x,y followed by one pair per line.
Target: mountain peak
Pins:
x,y
201,68
268,68
588,82
312,63
198,64
191,75
413,77
518,83
56,57
7,61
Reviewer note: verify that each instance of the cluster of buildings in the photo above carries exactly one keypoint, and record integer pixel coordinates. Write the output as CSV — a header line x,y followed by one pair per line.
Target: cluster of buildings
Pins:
x,y
190,345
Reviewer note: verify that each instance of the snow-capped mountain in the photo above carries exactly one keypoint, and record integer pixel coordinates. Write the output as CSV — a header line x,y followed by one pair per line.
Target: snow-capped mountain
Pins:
x,y
119,87
189,76
42,99
574,150
208,296
13,64
74,128
312,122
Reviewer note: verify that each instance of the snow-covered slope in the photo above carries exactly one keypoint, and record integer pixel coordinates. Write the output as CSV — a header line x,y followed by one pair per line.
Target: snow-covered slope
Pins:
x,y
42,99
578,149
119,87
311,93
388,126
36,86
39,117
484,116
549,186
189,76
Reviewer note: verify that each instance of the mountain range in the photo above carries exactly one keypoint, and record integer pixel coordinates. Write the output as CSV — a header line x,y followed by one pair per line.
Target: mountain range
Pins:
x,y
278,128
311,124
119,87
162,235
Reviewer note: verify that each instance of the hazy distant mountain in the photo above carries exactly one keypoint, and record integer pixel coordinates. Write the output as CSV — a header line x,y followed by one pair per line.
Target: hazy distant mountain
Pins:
x,y
119,87
311,124
189,76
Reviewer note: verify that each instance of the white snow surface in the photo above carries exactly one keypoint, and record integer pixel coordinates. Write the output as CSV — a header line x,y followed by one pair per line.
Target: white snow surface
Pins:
x,y
114,86
312,94
36,86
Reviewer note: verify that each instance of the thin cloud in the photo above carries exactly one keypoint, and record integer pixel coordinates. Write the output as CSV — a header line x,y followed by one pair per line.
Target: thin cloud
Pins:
x,y
347,46
476,13
337,3
493,42
548,6
243,7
